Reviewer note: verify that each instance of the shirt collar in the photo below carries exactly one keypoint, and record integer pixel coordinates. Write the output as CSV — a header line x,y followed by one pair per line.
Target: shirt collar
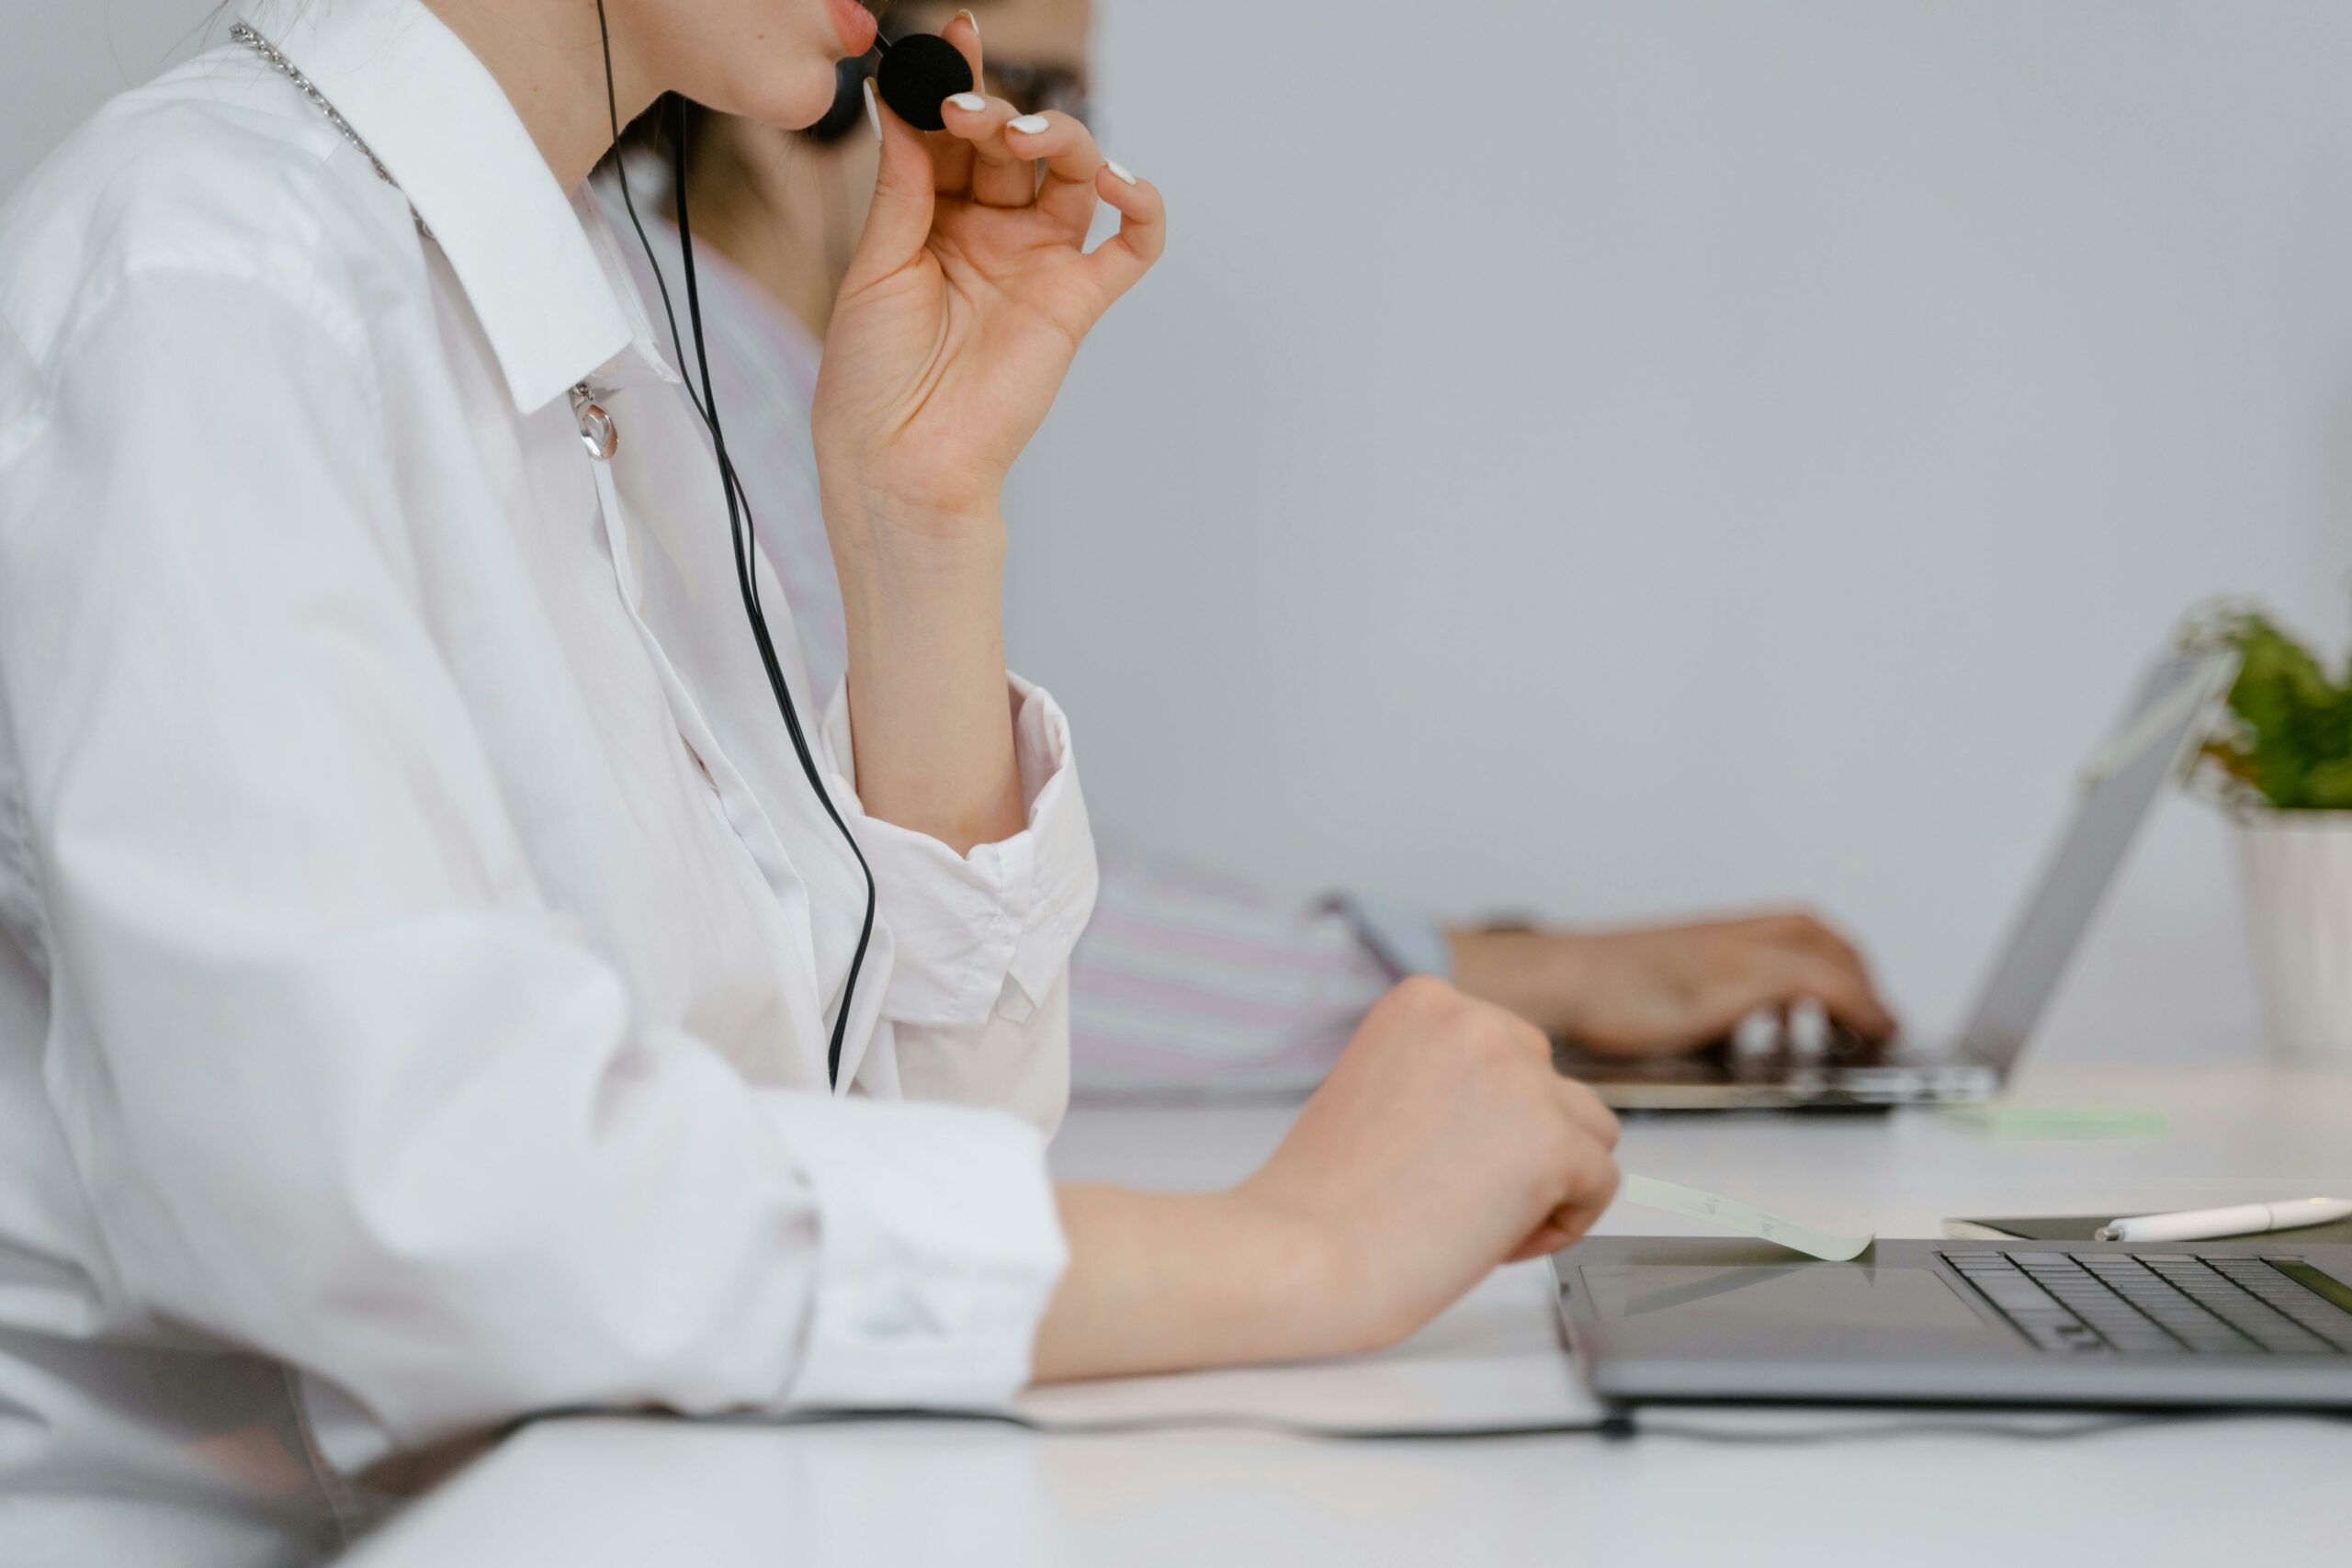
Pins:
x,y
538,267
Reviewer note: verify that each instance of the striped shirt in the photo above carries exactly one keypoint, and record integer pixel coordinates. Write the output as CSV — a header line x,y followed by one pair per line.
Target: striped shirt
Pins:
x,y
1188,981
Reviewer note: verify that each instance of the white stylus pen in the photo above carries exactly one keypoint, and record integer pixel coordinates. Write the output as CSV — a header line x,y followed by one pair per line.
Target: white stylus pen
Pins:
x,y
2244,1219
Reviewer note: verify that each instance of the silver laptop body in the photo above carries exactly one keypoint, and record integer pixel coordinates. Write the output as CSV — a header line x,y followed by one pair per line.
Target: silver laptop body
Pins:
x,y
2164,724
2244,1323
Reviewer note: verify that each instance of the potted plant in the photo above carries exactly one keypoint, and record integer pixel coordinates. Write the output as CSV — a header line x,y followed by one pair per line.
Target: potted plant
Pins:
x,y
2281,764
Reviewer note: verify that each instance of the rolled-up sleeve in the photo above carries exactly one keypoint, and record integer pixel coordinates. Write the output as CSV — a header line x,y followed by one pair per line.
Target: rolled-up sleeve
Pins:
x,y
953,1226
979,993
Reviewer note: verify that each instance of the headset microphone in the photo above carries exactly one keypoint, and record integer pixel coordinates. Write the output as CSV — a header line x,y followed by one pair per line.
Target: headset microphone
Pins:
x,y
919,72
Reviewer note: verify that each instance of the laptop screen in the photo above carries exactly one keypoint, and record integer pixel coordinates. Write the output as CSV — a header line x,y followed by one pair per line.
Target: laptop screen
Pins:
x,y
2166,718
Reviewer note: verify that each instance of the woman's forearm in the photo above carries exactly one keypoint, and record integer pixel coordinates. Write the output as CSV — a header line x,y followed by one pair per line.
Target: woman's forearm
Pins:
x,y
1442,1143
930,715
1164,1282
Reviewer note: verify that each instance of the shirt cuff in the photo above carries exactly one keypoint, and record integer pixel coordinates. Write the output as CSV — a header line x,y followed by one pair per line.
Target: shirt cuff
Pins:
x,y
1407,940
938,1249
988,932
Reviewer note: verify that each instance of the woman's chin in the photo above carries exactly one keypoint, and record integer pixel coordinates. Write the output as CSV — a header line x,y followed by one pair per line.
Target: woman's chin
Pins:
x,y
792,98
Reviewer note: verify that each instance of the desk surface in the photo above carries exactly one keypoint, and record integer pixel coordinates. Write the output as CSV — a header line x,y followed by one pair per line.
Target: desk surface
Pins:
x,y
621,1491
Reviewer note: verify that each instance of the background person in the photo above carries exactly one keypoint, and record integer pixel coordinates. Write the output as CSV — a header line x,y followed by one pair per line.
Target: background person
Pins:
x,y
1187,977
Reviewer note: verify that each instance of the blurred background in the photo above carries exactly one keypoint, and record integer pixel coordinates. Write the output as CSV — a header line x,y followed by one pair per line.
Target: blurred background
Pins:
x,y
1602,459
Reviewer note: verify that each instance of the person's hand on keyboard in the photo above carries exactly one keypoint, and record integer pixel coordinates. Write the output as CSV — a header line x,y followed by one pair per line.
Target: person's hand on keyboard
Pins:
x,y
1671,988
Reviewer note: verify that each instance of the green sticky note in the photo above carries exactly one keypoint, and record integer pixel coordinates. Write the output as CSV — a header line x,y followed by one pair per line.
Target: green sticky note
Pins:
x,y
2058,1122
1729,1213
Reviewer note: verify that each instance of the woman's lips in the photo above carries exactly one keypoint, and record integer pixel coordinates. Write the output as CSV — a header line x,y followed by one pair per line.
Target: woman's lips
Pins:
x,y
855,25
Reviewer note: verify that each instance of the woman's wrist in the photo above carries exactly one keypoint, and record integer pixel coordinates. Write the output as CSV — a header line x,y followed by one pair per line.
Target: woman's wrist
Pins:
x,y
932,534
1302,1302
897,581
928,581
930,716
1167,1283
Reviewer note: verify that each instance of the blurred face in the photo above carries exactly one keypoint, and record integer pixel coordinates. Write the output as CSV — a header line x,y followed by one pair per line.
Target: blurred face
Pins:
x,y
770,60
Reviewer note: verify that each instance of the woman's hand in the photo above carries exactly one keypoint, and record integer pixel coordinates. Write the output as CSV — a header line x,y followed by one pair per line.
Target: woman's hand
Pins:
x,y
967,298
1646,993
963,306
1442,1144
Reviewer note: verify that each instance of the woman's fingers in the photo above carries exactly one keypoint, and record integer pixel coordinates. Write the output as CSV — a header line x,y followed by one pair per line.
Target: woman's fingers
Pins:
x,y
1844,991
1808,933
1000,176
1119,262
1544,1243
1590,1186
965,34
899,224
1072,161
1875,1020
951,154
1006,152
1782,976
1584,1107
1586,1179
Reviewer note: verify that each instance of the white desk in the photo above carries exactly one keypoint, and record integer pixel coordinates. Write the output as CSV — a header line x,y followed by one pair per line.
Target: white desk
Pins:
x,y
631,1493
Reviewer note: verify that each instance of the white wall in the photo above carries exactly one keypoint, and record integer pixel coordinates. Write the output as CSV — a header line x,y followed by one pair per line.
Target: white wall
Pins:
x,y
1611,457
62,58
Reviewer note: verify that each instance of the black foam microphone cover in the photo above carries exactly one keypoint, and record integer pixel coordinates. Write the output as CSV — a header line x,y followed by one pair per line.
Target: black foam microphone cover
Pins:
x,y
918,73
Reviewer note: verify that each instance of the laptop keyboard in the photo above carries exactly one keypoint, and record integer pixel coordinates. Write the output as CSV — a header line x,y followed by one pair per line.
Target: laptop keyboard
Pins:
x,y
2162,1303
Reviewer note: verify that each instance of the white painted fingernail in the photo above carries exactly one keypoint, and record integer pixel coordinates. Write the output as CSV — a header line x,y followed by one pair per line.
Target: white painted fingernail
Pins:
x,y
873,110
970,103
1030,124
1116,168
970,20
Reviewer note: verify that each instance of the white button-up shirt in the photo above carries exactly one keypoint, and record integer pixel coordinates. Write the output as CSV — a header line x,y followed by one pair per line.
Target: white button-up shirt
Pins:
x,y
419,944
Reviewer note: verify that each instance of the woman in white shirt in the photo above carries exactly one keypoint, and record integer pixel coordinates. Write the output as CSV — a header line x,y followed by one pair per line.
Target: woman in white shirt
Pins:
x,y
424,970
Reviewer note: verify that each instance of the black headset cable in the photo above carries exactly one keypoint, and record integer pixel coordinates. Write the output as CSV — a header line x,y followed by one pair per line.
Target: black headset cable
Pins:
x,y
741,527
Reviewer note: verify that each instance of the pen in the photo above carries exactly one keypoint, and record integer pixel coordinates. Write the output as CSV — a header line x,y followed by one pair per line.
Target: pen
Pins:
x,y
2244,1219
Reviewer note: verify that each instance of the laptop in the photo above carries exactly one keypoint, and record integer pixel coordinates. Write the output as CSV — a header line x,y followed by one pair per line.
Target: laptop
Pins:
x,y
2164,724
2251,1324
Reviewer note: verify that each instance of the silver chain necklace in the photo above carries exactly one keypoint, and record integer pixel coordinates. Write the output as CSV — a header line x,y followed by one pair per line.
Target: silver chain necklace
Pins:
x,y
244,34
598,433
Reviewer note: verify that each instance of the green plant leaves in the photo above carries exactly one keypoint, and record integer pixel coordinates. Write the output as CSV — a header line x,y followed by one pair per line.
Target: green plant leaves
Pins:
x,y
2293,740
2329,785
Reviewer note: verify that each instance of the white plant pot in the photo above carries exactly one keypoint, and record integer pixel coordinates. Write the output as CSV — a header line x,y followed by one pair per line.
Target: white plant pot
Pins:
x,y
2296,870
